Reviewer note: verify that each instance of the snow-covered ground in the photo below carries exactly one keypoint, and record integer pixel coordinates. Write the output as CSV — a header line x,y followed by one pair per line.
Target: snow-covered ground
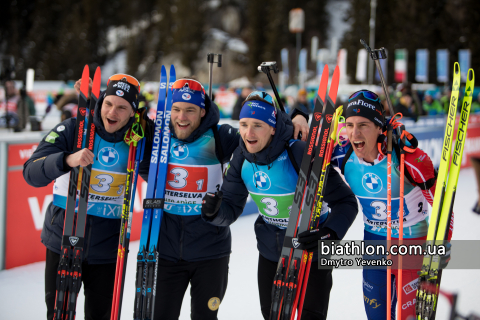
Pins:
x,y
22,288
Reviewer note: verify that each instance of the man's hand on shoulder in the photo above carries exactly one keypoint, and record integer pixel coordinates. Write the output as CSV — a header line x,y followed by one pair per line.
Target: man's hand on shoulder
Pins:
x,y
300,124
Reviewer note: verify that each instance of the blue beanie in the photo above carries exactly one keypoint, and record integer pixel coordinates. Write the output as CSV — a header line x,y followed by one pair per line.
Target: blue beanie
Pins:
x,y
259,110
185,94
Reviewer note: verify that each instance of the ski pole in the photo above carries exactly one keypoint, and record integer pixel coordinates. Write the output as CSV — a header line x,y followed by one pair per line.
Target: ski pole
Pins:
x,y
211,60
265,67
389,218
376,55
400,226
132,137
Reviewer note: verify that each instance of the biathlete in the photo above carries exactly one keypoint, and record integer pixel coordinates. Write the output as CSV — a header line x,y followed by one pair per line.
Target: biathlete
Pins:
x,y
262,167
53,160
365,169
192,251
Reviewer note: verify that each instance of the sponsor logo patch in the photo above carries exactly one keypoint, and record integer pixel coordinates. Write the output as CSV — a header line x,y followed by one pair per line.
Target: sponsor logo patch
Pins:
x,y
372,183
261,180
51,137
411,286
179,151
108,156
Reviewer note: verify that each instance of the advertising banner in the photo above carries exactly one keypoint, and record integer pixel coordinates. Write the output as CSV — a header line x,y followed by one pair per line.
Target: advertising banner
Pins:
x,y
401,57
464,61
361,73
442,65
421,65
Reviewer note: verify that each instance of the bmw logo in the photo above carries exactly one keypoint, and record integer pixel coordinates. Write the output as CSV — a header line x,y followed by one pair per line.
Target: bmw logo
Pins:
x,y
179,151
372,183
108,156
261,180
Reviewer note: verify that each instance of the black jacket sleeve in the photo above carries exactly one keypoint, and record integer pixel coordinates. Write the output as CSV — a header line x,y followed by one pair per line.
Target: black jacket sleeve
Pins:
x,y
229,139
295,112
235,194
47,162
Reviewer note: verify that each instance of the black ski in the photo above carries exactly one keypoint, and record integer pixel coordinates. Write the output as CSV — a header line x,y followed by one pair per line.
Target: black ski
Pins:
x,y
308,154
70,265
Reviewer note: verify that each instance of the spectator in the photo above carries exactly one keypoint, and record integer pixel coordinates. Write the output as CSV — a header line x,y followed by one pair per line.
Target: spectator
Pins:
x,y
238,104
68,104
431,106
14,110
302,103
405,106
445,99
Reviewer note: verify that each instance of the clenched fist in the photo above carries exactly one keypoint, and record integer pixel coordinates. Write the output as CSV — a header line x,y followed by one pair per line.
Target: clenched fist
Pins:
x,y
81,158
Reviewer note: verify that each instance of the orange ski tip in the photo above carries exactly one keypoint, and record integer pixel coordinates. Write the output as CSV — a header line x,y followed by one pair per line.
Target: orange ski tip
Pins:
x,y
97,80
85,81
332,93
322,89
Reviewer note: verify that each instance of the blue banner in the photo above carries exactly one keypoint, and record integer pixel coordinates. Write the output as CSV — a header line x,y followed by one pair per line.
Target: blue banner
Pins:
x,y
421,65
284,56
442,65
320,64
302,60
464,61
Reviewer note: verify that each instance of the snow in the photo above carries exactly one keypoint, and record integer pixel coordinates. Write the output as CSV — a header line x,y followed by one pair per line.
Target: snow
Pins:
x,y
22,288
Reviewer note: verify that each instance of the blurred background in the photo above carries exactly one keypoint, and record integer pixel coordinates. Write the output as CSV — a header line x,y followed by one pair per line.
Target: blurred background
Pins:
x,y
57,38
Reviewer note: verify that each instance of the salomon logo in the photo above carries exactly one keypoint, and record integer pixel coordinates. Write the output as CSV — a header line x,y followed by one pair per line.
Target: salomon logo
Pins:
x,y
73,240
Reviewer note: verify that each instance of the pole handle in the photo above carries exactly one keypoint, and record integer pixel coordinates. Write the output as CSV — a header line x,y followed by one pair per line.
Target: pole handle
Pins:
x,y
265,67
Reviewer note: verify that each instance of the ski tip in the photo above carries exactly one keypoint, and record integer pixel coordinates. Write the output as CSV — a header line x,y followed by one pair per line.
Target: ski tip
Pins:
x,y
97,80
322,89
471,76
163,70
85,81
332,93
172,78
456,68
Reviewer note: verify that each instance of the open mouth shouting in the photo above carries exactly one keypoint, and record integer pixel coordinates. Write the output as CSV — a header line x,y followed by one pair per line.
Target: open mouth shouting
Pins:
x,y
359,144
112,122
251,142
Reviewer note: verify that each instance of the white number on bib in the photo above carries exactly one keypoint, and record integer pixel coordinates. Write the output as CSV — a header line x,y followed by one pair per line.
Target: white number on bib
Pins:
x,y
180,178
104,184
271,206
380,209
200,184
